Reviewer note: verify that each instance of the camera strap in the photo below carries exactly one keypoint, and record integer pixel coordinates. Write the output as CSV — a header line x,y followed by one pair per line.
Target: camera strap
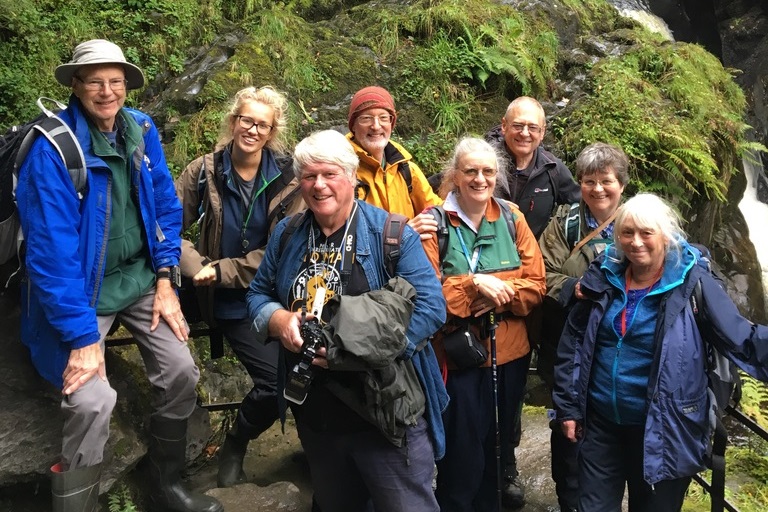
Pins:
x,y
348,255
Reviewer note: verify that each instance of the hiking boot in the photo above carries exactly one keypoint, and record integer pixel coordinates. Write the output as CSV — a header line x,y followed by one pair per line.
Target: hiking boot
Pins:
x,y
513,492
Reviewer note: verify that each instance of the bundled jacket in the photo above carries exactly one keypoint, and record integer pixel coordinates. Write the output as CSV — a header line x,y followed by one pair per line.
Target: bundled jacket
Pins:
x,y
527,280
208,211
271,289
66,237
386,188
677,428
550,184
366,333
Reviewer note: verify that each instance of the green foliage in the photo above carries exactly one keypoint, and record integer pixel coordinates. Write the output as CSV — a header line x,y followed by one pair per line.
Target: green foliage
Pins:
x,y
746,485
674,110
754,400
38,35
120,500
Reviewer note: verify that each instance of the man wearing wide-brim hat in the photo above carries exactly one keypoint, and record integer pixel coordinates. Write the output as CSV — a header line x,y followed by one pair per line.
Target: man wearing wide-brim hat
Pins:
x,y
110,253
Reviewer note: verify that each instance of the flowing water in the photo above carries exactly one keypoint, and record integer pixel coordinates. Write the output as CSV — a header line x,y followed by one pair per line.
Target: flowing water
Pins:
x,y
755,210
639,11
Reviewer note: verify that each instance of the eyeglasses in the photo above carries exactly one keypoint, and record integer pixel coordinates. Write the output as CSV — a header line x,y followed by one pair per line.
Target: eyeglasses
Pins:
x,y
603,183
246,123
383,119
488,172
533,129
116,84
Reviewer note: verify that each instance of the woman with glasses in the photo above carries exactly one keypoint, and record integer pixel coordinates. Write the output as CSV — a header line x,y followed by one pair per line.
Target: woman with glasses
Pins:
x,y
631,369
573,238
235,196
484,269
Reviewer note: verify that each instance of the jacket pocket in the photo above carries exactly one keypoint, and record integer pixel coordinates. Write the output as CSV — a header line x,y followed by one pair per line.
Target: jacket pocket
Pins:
x,y
686,435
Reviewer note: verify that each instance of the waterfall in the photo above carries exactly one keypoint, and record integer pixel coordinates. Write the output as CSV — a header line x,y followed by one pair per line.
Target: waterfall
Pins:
x,y
639,11
755,210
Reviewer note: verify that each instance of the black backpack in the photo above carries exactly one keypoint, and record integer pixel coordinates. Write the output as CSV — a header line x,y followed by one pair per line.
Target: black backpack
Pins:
x,y
14,146
724,386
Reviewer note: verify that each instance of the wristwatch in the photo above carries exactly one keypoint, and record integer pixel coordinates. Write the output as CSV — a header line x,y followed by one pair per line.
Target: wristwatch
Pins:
x,y
173,274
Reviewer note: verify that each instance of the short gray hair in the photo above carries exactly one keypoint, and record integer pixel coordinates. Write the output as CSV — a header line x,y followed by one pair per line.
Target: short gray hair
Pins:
x,y
326,147
649,211
597,157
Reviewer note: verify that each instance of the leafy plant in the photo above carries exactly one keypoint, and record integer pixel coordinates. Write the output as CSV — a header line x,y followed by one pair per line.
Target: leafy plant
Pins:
x,y
120,500
754,400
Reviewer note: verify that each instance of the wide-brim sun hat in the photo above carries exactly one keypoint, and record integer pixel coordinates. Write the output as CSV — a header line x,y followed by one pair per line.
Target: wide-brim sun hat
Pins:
x,y
99,51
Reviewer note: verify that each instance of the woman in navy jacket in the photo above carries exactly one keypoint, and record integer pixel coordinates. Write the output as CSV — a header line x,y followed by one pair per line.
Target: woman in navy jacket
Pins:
x,y
630,380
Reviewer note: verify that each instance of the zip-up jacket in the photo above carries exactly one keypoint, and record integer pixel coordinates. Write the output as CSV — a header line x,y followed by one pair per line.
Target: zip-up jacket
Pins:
x,y
270,291
386,188
677,426
550,184
460,292
66,237
232,272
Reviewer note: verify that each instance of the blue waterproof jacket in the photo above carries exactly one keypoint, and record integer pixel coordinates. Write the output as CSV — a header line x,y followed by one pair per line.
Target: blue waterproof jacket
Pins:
x,y
677,428
271,288
66,237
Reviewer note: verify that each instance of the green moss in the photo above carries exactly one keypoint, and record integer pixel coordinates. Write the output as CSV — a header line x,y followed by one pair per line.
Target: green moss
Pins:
x,y
675,111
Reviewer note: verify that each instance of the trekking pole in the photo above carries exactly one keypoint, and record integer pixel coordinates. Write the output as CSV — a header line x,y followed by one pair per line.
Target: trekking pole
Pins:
x,y
495,379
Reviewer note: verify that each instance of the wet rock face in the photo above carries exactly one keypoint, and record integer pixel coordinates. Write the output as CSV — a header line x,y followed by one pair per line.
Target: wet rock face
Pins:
x,y
31,422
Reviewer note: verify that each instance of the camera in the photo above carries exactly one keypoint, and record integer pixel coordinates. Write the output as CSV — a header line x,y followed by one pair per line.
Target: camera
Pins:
x,y
300,376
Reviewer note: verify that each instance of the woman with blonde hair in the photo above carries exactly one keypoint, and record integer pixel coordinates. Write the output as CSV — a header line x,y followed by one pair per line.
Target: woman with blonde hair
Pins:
x,y
236,195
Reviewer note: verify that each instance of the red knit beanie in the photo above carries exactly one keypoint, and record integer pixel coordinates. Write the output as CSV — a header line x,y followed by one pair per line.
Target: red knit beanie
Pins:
x,y
371,97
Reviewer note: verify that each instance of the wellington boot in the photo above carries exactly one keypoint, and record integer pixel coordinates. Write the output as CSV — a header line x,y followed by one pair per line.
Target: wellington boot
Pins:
x,y
167,450
231,457
76,490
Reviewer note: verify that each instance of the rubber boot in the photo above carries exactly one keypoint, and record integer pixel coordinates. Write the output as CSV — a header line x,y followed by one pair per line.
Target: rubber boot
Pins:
x,y
232,454
76,490
235,446
166,454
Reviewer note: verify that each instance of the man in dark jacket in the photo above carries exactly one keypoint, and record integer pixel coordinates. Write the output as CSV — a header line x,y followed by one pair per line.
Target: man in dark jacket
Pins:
x,y
537,181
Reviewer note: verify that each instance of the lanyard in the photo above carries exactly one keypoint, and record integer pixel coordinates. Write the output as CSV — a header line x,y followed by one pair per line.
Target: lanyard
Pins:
x,y
473,261
348,246
250,205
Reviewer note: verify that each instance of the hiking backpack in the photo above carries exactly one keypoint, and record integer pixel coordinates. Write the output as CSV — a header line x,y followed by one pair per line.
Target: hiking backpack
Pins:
x,y
724,387
14,146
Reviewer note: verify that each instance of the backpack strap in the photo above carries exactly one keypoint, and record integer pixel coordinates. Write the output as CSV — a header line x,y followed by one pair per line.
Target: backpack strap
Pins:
x,y
293,224
276,186
571,225
63,139
438,212
720,434
393,235
592,234
509,217
405,171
